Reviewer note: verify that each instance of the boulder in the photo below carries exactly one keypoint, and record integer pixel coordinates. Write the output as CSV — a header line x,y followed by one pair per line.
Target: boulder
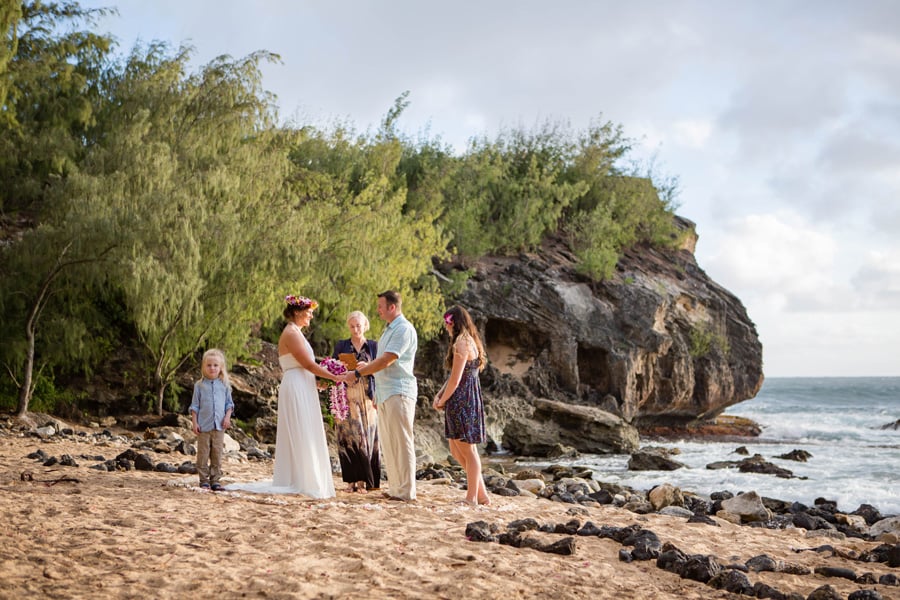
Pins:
x,y
749,506
584,428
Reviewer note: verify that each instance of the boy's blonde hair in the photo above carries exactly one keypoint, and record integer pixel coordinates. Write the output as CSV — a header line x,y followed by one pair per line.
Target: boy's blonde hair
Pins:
x,y
216,353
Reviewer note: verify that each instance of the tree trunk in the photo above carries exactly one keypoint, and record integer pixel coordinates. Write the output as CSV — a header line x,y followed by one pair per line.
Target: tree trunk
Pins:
x,y
25,389
160,394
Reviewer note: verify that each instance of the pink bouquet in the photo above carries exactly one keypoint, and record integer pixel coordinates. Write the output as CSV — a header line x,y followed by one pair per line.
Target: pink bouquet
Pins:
x,y
338,404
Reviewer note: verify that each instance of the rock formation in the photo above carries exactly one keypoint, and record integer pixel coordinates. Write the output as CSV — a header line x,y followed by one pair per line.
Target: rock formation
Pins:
x,y
659,343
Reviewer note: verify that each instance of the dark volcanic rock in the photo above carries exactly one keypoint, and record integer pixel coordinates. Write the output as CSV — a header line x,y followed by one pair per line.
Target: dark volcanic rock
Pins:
x,y
656,343
652,459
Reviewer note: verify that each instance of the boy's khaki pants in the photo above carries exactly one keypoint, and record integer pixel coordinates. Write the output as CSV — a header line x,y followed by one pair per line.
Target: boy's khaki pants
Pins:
x,y
210,447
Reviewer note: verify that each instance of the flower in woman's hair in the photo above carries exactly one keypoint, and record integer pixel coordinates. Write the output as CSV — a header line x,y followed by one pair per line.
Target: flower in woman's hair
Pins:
x,y
448,319
338,404
302,302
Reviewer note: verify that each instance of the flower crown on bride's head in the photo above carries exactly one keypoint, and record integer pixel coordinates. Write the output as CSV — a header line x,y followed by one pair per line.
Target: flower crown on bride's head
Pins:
x,y
301,302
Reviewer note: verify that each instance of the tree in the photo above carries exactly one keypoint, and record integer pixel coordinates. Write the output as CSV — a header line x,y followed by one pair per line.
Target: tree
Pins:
x,y
10,13
373,240
48,68
49,99
189,170
63,266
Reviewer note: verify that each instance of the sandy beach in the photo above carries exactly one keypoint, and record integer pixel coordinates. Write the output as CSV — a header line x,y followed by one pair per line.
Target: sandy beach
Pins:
x,y
76,532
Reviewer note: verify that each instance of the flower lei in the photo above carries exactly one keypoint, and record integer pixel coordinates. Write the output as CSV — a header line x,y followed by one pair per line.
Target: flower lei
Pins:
x,y
337,405
301,301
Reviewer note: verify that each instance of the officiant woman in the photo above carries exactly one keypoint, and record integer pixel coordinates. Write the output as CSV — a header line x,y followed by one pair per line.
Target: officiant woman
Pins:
x,y
357,435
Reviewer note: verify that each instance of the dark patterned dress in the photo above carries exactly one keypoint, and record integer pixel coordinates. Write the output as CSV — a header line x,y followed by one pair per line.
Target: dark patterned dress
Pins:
x,y
357,435
464,411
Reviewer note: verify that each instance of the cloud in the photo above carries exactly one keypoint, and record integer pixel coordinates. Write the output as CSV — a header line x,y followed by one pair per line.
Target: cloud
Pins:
x,y
779,261
692,133
877,282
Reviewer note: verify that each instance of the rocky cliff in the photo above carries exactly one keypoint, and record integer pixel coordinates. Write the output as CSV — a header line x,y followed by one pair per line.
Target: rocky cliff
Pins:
x,y
658,344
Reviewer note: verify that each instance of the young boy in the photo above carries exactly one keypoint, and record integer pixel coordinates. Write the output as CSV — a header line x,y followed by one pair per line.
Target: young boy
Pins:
x,y
211,409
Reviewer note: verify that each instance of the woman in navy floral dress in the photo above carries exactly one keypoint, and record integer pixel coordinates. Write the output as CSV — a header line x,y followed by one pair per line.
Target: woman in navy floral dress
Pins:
x,y
460,398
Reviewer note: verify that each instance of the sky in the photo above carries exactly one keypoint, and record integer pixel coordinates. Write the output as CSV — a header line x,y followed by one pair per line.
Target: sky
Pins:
x,y
780,120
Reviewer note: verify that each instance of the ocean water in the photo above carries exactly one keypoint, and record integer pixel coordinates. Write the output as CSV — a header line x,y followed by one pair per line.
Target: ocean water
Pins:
x,y
837,420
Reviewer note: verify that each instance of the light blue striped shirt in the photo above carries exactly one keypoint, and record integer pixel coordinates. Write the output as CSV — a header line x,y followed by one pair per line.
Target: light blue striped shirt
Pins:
x,y
399,338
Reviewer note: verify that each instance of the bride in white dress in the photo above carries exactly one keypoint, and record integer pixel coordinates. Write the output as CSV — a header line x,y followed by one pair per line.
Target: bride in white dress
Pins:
x,y
302,464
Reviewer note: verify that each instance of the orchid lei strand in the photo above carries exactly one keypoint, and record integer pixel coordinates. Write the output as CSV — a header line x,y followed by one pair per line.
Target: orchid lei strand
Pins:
x,y
338,404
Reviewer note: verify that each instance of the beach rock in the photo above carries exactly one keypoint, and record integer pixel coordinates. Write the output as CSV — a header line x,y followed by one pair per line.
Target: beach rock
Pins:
x,y
584,428
665,495
757,464
888,525
231,444
652,459
795,569
602,497
570,527
763,562
676,511
810,522
829,506
45,432
535,486
852,523
748,506
700,568
640,507
889,579
732,581
700,518
796,455
827,571
671,559
565,547
742,450
646,544
826,533
869,513
481,531
825,592
38,454
865,595
764,590
589,529
528,474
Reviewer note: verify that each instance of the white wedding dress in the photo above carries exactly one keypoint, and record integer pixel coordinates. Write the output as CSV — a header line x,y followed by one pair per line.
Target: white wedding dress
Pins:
x,y
302,464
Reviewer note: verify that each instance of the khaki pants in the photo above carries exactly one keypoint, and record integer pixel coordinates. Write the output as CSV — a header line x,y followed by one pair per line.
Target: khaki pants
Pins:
x,y
210,447
395,420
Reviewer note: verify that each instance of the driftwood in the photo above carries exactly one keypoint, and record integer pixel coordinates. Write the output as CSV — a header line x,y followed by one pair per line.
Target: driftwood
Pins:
x,y
29,476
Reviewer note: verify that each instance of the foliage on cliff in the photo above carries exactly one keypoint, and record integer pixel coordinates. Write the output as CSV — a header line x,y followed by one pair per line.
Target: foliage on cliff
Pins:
x,y
148,205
